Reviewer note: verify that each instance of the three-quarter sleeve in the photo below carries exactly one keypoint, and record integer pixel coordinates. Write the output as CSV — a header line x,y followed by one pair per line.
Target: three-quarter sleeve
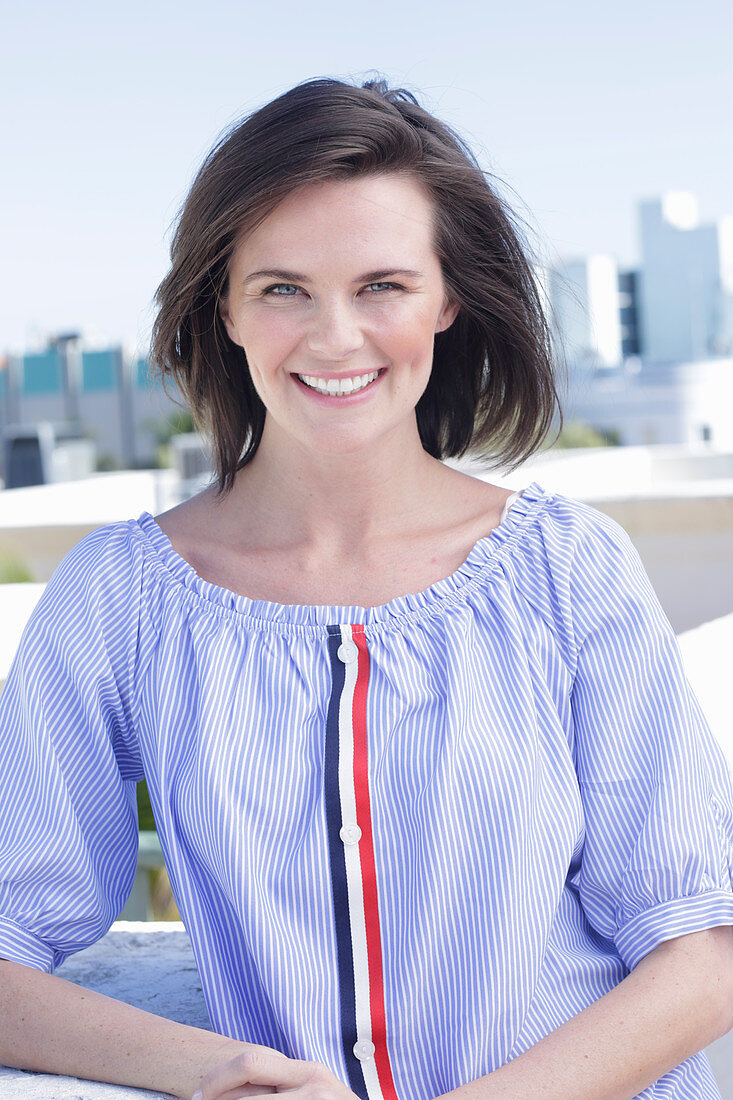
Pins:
x,y
657,860
69,762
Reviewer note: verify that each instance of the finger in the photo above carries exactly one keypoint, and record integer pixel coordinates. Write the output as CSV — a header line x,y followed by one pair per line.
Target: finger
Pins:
x,y
240,1094
256,1068
237,1094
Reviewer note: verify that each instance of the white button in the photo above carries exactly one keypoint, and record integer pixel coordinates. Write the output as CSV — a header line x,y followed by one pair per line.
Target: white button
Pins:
x,y
347,652
364,1049
350,834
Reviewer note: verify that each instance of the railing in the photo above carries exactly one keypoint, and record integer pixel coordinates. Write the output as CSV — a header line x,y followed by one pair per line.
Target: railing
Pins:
x,y
149,858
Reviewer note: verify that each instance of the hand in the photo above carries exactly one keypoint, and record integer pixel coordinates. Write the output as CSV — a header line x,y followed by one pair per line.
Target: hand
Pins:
x,y
260,1071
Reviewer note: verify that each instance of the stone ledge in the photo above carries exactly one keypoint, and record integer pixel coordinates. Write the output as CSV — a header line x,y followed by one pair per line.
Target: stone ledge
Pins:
x,y
147,964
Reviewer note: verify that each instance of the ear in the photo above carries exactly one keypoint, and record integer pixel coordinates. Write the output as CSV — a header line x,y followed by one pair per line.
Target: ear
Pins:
x,y
447,316
228,323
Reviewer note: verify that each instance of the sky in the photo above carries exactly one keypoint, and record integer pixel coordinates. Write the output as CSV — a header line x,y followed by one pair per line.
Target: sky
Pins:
x,y
106,111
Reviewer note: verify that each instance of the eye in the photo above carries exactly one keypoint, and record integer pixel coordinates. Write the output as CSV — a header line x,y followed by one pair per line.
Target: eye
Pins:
x,y
278,287
387,286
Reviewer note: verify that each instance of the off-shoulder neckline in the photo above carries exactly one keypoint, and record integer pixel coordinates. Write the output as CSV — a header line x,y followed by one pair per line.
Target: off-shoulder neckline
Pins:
x,y
485,555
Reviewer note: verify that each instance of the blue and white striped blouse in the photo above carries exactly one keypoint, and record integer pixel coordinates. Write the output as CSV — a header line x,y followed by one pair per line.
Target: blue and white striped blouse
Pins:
x,y
407,841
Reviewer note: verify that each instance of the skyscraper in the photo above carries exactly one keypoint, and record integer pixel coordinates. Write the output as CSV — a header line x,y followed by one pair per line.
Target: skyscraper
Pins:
x,y
686,291
584,295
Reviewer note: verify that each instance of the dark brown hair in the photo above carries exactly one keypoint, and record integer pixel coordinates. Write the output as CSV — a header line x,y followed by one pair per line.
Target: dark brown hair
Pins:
x,y
492,389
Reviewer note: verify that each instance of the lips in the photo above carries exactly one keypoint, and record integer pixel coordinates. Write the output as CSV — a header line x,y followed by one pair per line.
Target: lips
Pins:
x,y
339,387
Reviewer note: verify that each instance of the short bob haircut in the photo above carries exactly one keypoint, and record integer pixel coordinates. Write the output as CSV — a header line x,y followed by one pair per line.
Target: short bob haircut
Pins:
x,y
491,391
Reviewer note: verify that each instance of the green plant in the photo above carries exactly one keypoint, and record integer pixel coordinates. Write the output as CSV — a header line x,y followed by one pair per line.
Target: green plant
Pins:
x,y
13,569
576,433
146,821
161,895
177,423
107,461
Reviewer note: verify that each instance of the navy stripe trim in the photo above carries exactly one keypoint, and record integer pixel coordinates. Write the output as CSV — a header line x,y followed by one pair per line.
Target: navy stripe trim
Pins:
x,y
342,920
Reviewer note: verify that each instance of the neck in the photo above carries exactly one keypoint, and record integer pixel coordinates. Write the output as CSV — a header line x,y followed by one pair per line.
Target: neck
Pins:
x,y
292,496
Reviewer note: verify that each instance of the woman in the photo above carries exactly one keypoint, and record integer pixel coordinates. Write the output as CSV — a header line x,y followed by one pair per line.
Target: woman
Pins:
x,y
439,809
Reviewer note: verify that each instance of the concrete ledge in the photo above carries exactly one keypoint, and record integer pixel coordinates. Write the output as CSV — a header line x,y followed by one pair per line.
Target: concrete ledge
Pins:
x,y
17,602
706,655
149,965
41,523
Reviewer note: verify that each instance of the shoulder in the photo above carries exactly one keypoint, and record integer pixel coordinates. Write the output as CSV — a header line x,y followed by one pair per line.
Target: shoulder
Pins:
x,y
570,520
609,598
566,533
87,630
106,555
98,587
576,566
594,550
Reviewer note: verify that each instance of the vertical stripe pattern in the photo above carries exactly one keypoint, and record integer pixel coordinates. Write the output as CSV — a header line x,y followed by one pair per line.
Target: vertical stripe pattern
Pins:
x,y
407,841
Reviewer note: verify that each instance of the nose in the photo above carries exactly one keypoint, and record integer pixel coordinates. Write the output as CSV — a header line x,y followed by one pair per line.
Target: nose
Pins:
x,y
334,332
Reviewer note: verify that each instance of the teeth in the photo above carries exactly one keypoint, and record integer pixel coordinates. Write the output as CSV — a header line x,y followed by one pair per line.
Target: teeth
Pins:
x,y
336,387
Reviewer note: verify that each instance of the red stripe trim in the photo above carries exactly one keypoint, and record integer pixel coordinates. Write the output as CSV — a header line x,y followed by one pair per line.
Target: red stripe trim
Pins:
x,y
368,870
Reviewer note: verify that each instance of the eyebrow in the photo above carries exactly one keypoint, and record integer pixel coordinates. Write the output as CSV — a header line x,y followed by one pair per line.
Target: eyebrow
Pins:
x,y
294,277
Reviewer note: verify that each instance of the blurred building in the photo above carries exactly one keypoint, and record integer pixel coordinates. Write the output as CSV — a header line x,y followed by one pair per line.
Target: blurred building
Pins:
x,y
640,404
677,308
686,289
586,310
109,392
629,314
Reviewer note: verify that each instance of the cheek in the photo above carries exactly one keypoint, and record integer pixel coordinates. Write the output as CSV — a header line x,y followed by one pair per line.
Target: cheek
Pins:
x,y
411,342
267,342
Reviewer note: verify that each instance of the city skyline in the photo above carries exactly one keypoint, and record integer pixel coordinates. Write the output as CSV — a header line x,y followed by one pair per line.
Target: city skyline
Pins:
x,y
582,114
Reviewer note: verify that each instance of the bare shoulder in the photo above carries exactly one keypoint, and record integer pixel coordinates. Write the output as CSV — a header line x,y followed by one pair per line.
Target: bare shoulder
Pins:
x,y
189,525
474,501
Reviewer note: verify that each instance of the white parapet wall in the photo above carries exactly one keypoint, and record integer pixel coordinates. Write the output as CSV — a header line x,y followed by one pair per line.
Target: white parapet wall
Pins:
x,y
706,653
16,604
40,524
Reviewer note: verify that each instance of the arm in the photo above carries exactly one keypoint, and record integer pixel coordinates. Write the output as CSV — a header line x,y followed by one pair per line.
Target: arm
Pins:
x,y
654,874
678,999
69,764
51,1025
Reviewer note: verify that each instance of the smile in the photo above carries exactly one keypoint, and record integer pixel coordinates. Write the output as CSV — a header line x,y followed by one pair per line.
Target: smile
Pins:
x,y
339,387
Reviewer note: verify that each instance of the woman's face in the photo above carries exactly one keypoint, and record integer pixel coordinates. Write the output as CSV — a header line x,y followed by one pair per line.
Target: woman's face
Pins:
x,y
339,290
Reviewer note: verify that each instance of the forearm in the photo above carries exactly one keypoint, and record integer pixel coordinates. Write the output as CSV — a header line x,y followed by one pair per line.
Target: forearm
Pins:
x,y
667,1009
54,1026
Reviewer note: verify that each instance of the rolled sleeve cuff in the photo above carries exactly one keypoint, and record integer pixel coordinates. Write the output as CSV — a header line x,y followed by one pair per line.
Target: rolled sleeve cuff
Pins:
x,y
678,917
19,945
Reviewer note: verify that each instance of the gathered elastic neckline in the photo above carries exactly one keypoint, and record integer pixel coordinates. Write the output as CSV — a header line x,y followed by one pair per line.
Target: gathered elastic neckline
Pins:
x,y
484,555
